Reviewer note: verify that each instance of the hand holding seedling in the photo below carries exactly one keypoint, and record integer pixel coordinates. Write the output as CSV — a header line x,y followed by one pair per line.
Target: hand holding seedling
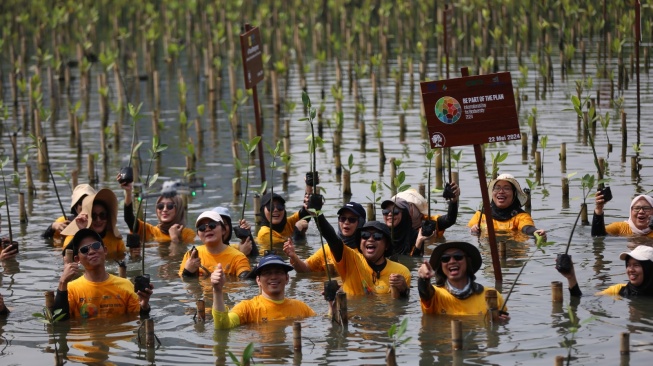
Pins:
x,y
245,246
144,297
421,238
193,263
8,251
175,233
289,249
456,191
474,230
600,203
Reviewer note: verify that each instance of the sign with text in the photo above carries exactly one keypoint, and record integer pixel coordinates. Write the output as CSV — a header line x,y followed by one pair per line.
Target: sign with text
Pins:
x,y
251,48
470,110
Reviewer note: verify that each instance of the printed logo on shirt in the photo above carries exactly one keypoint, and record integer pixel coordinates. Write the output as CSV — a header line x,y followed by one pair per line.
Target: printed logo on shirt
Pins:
x,y
88,311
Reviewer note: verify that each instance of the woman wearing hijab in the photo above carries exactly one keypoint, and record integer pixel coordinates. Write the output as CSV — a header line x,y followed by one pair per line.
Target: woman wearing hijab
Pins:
x,y
171,217
406,240
639,269
246,245
278,222
638,223
54,230
99,213
351,217
507,214
419,212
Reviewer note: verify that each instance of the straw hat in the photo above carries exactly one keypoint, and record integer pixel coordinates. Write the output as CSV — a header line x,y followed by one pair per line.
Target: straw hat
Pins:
x,y
521,196
412,196
80,191
105,196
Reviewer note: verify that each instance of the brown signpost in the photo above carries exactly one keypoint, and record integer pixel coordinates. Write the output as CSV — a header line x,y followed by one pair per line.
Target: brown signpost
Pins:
x,y
252,52
473,110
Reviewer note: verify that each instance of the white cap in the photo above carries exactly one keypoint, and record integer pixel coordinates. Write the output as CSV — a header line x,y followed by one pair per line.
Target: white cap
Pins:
x,y
209,215
641,253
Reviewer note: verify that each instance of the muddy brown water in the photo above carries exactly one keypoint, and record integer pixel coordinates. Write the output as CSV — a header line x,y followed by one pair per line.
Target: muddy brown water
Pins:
x,y
537,332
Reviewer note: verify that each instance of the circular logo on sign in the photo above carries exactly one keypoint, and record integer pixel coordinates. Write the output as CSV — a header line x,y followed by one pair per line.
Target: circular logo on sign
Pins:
x,y
448,110
438,139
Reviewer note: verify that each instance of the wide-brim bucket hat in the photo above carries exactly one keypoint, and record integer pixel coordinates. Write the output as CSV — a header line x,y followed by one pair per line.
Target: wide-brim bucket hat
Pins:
x,y
80,192
521,196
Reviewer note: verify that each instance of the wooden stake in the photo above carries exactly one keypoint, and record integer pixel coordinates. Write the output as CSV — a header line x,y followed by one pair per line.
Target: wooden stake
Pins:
x,y
560,360
390,356
565,188
70,256
346,183
297,336
341,308
492,304
149,333
625,344
201,310
583,214
371,213
257,203
502,249
524,147
563,157
49,299
21,207
31,188
556,291
456,335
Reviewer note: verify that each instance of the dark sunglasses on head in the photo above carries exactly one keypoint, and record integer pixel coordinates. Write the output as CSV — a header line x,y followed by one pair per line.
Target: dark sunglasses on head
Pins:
x,y
210,225
350,219
278,206
446,258
386,212
168,205
95,246
99,216
367,234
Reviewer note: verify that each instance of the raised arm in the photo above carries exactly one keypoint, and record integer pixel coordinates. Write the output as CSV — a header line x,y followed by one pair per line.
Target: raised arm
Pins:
x,y
424,287
335,243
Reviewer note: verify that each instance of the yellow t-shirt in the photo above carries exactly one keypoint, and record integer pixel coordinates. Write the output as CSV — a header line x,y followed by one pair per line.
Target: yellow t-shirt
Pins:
x,y
358,278
114,296
263,235
153,233
444,302
438,233
622,229
57,237
612,290
115,246
261,310
316,261
516,223
233,261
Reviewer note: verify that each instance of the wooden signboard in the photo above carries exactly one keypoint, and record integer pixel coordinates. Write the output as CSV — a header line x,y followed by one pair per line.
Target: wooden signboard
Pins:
x,y
470,110
252,52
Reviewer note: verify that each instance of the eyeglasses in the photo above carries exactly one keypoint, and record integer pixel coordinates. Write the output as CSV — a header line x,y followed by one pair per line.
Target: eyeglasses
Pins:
x,y
99,216
95,246
210,225
501,189
349,219
278,206
367,234
446,258
386,212
168,205
646,209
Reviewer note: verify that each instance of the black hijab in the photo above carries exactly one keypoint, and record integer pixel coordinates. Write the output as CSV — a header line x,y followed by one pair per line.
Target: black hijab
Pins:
x,y
403,234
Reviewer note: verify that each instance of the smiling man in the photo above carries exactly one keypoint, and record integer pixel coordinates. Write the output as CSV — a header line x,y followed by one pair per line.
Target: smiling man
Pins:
x,y
96,294
455,291
272,278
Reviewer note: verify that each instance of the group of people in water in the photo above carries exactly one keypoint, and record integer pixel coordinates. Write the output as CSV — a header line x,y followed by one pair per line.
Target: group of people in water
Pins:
x,y
363,253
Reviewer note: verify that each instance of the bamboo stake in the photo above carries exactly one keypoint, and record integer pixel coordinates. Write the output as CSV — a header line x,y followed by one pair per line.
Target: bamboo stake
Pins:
x,y
556,292
456,335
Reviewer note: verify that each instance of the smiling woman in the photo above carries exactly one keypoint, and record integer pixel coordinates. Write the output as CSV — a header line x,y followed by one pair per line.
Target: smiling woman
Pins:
x,y
641,210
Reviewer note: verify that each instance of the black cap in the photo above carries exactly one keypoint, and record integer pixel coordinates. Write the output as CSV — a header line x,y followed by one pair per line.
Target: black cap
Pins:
x,y
399,202
271,260
78,237
354,207
265,200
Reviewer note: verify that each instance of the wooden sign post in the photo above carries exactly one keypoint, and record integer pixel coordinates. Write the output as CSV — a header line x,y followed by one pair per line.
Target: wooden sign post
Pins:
x,y
473,110
252,53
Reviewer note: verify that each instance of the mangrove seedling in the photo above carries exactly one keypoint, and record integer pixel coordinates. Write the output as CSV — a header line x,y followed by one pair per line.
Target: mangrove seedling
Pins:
x,y
246,358
428,225
497,158
50,318
312,178
275,153
396,335
4,184
374,200
249,147
573,329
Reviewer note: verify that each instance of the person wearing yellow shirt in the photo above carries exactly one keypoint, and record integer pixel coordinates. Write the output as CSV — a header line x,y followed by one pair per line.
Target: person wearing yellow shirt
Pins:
x,y
453,264
204,259
272,277
277,226
507,198
351,216
638,223
100,213
639,269
171,216
54,230
96,294
366,270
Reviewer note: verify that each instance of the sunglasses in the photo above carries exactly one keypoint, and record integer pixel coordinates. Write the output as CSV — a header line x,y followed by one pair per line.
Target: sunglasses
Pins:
x,y
367,234
446,258
386,212
95,246
168,205
350,219
210,225
278,206
99,216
